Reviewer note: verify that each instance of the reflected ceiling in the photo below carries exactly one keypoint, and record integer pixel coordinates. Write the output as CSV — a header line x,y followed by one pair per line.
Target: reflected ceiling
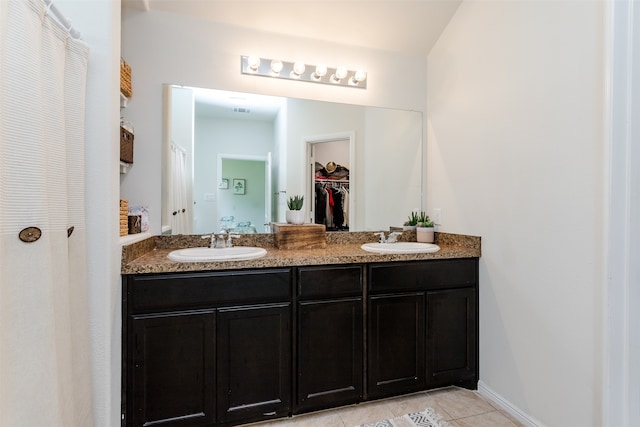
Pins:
x,y
234,105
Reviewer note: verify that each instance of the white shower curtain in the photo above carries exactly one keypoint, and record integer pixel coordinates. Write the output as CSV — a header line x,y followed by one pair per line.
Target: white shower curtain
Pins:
x,y
44,336
180,223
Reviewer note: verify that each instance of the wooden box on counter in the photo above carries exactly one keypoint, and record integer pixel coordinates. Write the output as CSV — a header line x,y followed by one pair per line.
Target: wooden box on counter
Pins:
x,y
303,236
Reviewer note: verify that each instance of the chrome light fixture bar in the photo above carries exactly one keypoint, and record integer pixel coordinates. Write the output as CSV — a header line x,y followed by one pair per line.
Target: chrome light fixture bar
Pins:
x,y
320,73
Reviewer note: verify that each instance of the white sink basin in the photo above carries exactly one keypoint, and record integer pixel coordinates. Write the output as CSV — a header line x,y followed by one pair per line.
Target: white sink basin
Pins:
x,y
235,253
401,248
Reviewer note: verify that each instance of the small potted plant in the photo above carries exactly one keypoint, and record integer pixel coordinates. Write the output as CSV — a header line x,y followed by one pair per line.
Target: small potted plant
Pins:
x,y
295,214
425,229
411,223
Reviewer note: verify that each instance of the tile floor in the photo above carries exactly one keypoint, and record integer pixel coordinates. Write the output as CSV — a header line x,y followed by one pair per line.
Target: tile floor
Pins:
x,y
459,407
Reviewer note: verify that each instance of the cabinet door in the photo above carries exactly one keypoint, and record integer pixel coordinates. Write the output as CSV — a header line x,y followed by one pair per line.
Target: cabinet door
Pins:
x,y
254,362
396,358
452,345
330,355
172,380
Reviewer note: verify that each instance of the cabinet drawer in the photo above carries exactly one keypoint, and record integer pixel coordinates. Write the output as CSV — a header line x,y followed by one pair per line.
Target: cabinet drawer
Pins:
x,y
422,275
148,293
329,282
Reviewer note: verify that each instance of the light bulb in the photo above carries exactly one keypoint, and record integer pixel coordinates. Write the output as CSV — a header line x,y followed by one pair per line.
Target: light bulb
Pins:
x,y
253,62
341,73
320,72
299,68
276,66
358,77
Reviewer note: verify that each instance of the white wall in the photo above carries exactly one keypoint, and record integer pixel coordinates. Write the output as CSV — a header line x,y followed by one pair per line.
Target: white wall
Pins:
x,y
400,166
515,155
173,49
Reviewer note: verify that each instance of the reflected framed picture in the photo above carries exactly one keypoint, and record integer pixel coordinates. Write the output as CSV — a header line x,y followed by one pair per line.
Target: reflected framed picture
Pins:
x,y
224,184
239,186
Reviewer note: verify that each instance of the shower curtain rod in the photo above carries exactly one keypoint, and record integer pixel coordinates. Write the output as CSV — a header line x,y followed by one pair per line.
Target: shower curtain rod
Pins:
x,y
177,147
51,7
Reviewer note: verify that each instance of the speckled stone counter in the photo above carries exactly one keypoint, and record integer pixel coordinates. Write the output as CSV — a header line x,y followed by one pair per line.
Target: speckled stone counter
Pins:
x,y
150,255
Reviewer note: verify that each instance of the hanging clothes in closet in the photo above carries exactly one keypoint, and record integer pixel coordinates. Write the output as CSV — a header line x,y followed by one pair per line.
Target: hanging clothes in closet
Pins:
x,y
332,204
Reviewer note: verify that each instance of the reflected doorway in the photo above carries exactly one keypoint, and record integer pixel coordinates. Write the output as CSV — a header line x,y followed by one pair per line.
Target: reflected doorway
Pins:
x,y
331,181
243,195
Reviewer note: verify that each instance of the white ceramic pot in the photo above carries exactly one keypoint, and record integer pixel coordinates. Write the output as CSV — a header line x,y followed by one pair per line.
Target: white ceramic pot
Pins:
x,y
295,217
425,234
409,227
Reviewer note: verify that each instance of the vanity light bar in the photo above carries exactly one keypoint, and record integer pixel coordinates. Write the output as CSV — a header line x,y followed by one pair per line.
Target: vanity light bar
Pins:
x,y
320,73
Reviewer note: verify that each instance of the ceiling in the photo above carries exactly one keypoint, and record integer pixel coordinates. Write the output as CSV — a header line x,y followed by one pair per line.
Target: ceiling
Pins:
x,y
234,105
406,26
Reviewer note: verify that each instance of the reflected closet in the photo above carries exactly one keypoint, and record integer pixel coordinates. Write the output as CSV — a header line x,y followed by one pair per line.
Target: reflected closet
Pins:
x,y
331,179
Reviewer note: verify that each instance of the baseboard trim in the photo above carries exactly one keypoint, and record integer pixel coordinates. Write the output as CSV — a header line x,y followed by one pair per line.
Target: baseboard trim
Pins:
x,y
507,406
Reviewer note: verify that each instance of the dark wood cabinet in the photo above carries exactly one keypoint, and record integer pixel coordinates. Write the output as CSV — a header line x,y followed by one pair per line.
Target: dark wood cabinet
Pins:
x,y
452,350
253,362
329,337
396,344
232,347
205,349
172,381
422,326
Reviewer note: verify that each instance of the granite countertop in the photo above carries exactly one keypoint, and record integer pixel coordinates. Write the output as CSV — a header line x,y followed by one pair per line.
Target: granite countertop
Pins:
x,y
150,255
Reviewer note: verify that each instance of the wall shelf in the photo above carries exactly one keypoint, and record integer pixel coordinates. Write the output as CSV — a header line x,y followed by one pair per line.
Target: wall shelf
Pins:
x,y
133,238
123,100
124,167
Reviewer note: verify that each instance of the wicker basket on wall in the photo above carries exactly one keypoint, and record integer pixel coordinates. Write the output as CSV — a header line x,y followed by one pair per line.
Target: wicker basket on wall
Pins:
x,y
125,79
126,143
124,217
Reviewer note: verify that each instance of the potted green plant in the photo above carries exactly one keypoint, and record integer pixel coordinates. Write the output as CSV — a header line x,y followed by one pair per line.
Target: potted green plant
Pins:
x,y
412,222
295,214
425,230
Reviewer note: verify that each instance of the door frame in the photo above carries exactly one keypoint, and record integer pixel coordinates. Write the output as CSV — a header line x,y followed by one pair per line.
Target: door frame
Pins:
x,y
622,139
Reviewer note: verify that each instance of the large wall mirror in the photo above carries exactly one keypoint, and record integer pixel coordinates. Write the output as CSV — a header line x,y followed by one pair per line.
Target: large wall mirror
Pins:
x,y
231,160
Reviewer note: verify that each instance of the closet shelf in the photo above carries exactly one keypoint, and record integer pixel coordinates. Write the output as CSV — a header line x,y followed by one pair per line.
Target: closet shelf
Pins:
x,y
342,181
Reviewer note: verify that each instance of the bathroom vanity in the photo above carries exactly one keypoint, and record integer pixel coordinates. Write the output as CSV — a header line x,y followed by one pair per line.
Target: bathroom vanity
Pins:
x,y
296,331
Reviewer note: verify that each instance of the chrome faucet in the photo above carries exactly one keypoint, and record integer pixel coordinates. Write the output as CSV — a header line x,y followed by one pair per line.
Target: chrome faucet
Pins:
x,y
219,240
229,241
393,237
